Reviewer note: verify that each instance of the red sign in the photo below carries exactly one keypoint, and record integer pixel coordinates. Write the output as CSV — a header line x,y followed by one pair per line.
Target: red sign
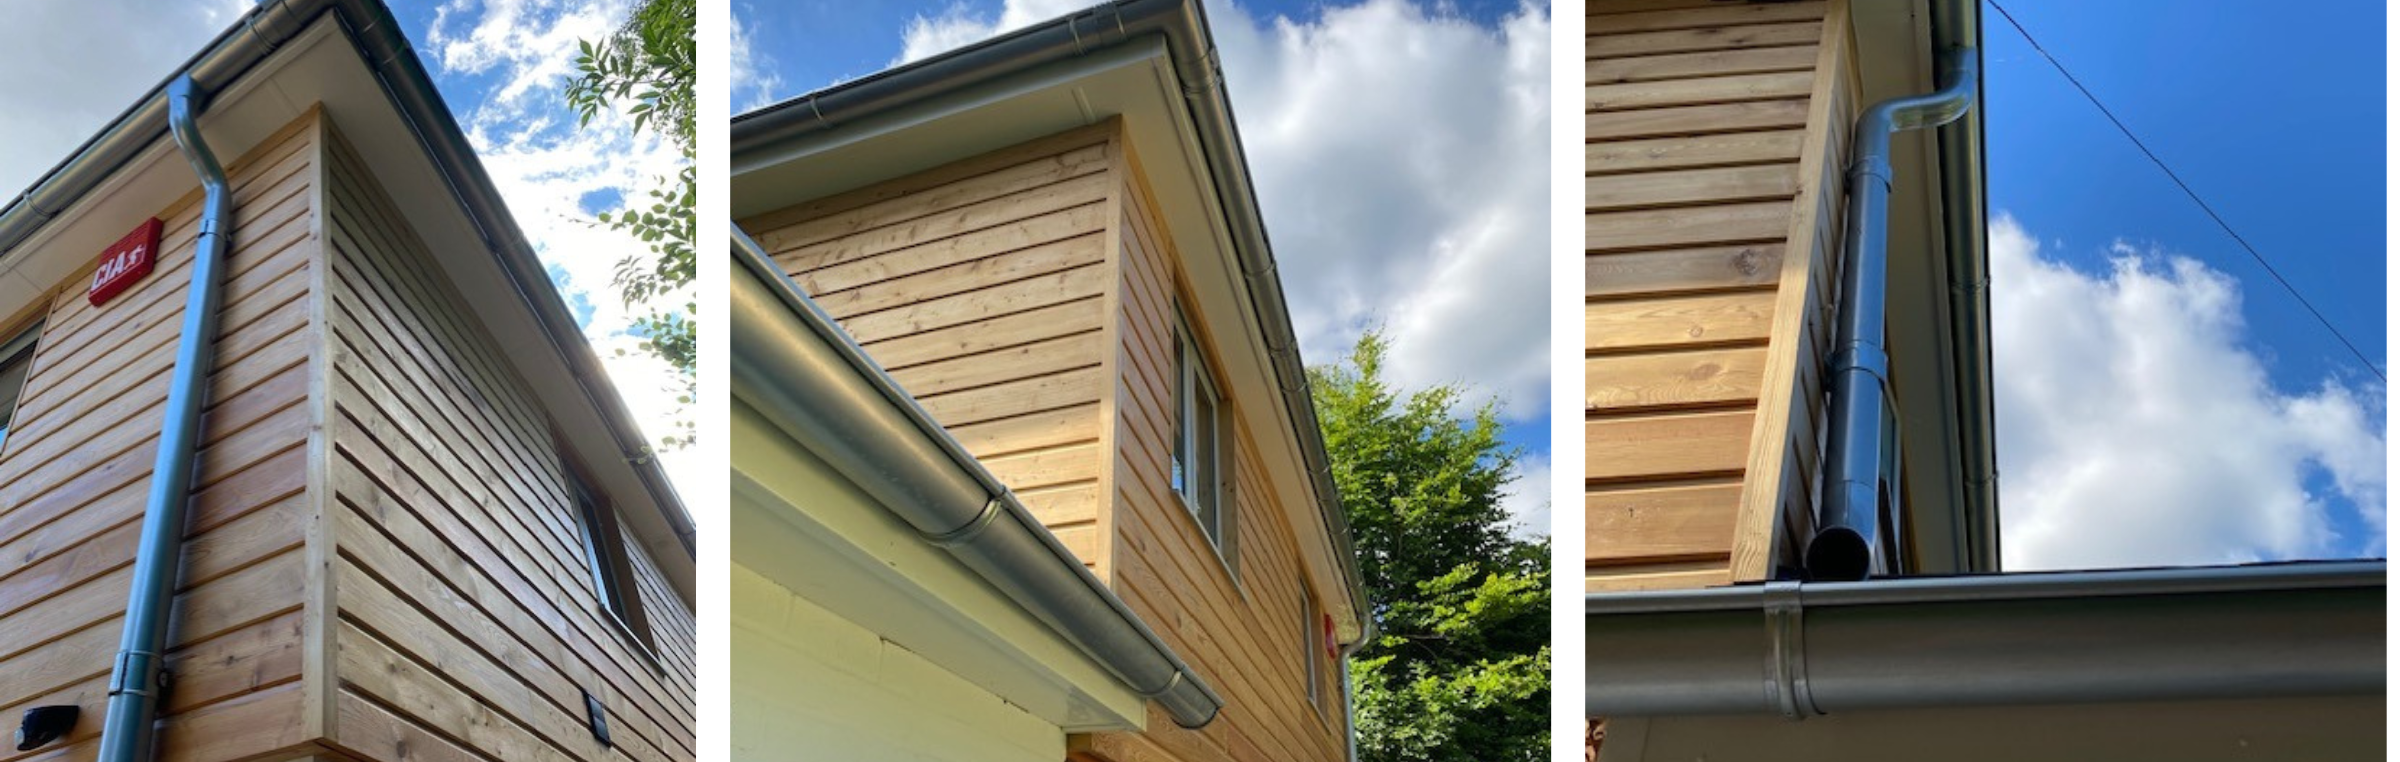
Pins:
x,y
1333,646
126,261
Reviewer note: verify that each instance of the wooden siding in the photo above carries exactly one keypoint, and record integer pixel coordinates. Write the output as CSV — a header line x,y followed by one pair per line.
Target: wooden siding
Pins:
x,y
981,287
468,626
1712,164
76,469
1240,624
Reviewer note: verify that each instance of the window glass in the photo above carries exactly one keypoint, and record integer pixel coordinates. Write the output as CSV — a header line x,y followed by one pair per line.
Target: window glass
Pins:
x,y
16,362
612,574
1195,467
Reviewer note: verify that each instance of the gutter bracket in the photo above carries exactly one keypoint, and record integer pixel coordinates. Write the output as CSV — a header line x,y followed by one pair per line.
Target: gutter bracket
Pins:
x,y
974,527
1787,651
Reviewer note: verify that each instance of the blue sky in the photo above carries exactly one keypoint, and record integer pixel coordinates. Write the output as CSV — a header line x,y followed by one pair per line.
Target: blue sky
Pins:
x,y
2274,112
1365,219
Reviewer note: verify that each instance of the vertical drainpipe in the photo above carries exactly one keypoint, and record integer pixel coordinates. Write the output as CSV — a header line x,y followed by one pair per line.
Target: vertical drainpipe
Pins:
x,y
1849,542
139,673
1349,698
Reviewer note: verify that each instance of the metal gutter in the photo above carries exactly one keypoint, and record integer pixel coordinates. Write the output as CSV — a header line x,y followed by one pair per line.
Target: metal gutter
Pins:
x,y
137,676
370,27
1850,541
1959,24
1184,26
796,365
1805,648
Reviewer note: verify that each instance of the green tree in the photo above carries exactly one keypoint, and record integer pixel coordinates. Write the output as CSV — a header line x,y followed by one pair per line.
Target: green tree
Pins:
x,y
1460,669
647,66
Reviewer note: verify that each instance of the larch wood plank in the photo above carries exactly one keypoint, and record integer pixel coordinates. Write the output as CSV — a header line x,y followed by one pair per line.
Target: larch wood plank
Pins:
x,y
1651,524
1704,63
962,171
1675,445
1646,155
1754,549
1616,16
1673,379
1669,188
1757,221
1684,321
1035,231
1715,268
964,277
1681,575
1704,38
1697,91
1695,120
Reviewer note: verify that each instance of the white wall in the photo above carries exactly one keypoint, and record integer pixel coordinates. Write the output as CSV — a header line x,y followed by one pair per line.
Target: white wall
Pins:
x,y
808,684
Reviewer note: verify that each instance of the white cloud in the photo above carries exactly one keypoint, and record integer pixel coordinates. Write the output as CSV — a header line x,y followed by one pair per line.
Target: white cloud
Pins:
x,y
753,70
58,93
1401,158
1527,499
544,164
2136,429
959,25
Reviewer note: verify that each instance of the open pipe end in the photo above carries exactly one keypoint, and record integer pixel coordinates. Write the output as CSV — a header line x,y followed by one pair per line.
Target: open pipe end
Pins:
x,y
1838,554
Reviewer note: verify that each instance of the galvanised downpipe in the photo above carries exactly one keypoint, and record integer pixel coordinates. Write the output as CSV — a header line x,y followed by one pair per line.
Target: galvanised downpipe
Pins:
x,y
1848,544
139,674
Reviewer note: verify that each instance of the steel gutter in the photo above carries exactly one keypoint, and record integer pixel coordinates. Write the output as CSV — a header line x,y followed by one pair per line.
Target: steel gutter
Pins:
x,y
376,35
1850,542
1806,648
1959,151
137,676
811,379
1184,26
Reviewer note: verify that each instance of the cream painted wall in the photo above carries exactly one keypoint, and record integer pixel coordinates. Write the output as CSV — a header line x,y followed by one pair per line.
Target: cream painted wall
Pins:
x,y
811,685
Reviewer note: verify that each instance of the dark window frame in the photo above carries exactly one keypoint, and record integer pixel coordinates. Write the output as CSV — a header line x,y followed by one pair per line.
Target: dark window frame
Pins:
x,y
605,559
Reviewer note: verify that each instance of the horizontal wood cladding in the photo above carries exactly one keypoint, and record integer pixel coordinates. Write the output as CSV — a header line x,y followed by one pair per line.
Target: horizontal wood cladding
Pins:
x,y
468,623
77,462
1237,616
1704,156
981,286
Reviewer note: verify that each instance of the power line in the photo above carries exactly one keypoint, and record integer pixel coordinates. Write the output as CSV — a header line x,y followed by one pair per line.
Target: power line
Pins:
x,y
2187,190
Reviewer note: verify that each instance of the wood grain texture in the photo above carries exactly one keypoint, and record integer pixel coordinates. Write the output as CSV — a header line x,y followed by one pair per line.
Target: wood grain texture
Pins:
x,y
1682,121
1671,271
76,467
1793,354
981,286
1606,71
1621,383
1633,230
466,608
1643,190
1666,446
1697,91
1697,151
1703,163
1233,611
1677,321
1648,524
1610,45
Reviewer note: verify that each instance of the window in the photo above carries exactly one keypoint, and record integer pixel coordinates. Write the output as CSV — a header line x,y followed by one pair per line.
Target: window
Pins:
x,y
16,362
1194,467
612,574
1308,644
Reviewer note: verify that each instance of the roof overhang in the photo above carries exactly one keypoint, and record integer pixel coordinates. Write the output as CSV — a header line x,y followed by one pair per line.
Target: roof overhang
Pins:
x,y
1151,64
1939,306
268,69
